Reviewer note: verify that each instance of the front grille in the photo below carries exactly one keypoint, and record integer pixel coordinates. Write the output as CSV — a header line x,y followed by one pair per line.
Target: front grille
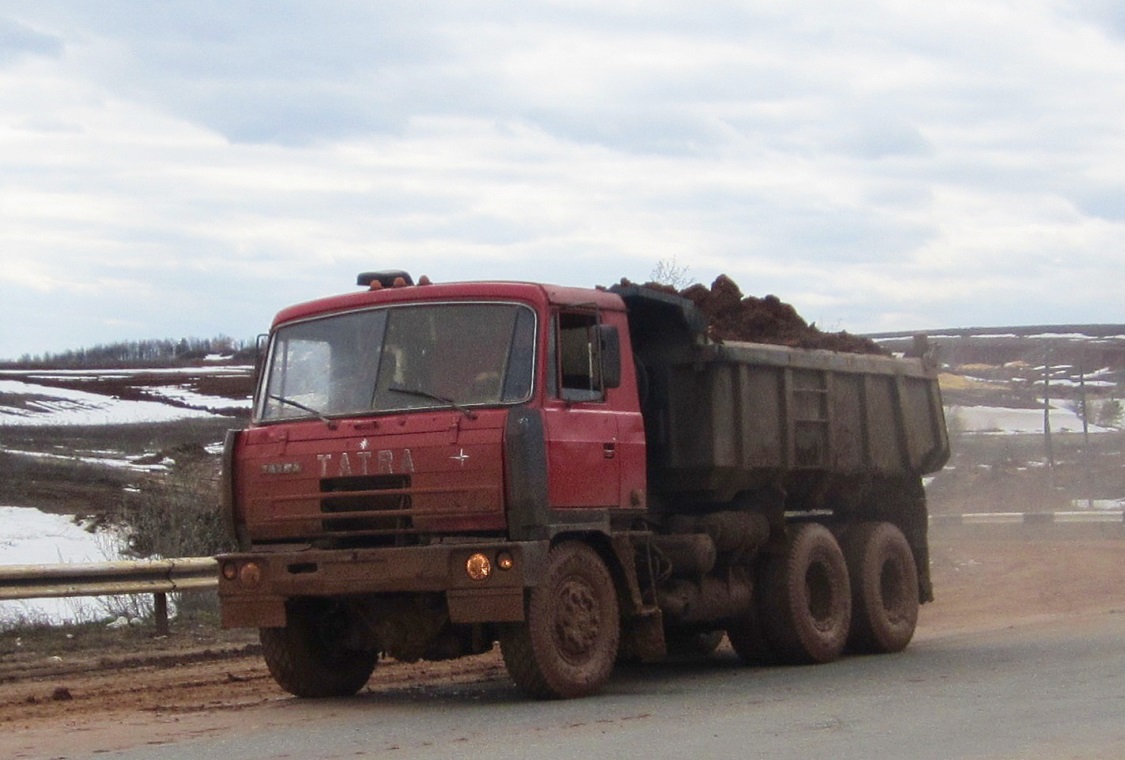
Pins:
x,y
364,495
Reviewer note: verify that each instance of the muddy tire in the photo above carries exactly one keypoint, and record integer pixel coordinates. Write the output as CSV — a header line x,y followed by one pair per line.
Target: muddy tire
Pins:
x,y
806,598
568,644
310,657
884,581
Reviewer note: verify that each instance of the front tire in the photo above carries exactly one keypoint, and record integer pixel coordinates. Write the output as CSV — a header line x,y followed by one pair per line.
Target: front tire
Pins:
x,y
884,580
312,656
567,646
807,601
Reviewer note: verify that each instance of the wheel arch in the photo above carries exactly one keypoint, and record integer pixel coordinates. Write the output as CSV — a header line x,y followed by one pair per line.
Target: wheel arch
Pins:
x,y
617,553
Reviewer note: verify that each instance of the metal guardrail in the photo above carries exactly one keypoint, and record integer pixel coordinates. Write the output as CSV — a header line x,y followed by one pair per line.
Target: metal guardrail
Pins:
x,y
1111,516
156,577
165,576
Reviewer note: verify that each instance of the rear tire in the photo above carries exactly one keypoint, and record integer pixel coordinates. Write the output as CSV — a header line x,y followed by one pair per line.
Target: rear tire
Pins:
x,y
884,580
568,644
310,657
806,598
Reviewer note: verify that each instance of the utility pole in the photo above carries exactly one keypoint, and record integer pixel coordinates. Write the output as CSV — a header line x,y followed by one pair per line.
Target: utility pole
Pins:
x,y
1047,410
1085,424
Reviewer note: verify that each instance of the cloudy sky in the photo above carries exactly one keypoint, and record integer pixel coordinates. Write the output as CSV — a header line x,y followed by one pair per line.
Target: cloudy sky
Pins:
x,y
183,169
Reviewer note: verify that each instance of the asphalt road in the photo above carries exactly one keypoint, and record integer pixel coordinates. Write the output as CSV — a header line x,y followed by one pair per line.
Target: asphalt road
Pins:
x,y
1047,690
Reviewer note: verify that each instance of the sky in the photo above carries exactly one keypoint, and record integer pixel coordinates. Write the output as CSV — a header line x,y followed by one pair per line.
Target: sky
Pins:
x,y
186,169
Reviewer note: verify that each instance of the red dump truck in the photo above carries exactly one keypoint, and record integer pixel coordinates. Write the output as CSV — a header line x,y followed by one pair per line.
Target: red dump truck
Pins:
x,y
580,475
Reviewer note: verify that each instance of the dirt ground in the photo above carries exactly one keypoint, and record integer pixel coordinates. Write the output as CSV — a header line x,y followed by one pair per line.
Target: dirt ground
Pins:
x,y
982,583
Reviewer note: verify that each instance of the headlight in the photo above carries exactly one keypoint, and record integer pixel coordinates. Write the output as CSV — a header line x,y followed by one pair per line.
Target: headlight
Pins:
x,y
250,574
478,567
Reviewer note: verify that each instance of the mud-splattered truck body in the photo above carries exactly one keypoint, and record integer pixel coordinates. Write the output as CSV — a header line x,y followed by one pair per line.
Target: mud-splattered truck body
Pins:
x,y
580,475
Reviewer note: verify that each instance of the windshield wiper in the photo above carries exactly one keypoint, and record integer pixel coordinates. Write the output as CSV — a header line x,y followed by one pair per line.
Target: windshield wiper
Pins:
x,y
433,397
298,405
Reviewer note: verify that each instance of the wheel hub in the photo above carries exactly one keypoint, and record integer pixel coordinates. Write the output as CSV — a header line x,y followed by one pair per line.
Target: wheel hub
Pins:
x,y
578,621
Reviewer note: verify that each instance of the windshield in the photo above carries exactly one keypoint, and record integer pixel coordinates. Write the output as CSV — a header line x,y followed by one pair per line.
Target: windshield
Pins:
x,y
400,357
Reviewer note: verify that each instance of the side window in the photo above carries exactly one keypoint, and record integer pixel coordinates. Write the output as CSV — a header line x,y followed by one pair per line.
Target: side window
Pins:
x,y
576,349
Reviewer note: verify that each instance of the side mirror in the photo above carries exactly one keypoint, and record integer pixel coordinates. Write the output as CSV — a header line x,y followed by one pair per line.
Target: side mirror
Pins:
x,y
261,346
609,348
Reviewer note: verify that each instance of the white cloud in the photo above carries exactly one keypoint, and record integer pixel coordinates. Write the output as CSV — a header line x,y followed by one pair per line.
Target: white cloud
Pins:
x,y
187,169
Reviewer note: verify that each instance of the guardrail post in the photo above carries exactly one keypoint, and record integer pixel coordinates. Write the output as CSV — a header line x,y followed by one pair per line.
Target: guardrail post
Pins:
x,y
160,612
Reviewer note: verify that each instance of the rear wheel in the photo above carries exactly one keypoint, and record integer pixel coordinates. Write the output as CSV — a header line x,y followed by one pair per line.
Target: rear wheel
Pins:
x,y
884,580
568,644
806,598
313,655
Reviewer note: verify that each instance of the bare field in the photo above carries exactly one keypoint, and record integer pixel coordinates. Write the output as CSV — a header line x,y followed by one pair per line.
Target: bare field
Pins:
x,y
73,469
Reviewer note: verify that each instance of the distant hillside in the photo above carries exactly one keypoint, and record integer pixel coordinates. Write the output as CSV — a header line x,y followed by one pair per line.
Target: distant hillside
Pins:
x,y
1087,348
166,352
1028,361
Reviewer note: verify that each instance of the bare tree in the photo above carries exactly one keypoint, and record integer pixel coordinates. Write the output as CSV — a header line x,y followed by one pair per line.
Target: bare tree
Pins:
x,y
1109,413
671,272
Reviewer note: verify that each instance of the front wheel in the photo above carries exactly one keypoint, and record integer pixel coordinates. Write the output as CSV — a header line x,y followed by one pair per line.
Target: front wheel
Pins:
x,y
312,656
567,646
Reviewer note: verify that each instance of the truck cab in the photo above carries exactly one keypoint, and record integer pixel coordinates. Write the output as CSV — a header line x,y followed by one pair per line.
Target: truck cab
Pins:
x,y
429,440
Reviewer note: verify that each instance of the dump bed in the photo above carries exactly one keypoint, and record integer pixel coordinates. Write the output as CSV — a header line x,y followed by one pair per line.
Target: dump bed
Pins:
x,y
733,417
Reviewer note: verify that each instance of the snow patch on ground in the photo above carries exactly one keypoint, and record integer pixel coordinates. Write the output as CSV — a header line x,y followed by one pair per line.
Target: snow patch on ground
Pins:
x,y
104,459
1004,420
102,374
1112,505
193,398
44,405
31,537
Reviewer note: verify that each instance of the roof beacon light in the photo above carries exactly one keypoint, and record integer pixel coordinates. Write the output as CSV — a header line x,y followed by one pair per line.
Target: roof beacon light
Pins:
x,y
391,278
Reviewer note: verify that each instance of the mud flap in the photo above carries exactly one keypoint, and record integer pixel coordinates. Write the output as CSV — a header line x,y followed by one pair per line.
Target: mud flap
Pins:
x,y
644,622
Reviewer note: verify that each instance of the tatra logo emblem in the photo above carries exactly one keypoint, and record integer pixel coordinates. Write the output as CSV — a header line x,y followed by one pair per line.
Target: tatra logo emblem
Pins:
x,y
381,462
460,456
364,444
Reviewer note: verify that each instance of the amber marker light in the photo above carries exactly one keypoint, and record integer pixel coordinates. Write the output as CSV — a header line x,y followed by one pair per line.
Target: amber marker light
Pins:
x,y
250,574
230,571
478,567
504,561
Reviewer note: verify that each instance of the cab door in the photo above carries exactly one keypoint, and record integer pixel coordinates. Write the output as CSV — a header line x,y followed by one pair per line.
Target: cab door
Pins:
x,y
581,426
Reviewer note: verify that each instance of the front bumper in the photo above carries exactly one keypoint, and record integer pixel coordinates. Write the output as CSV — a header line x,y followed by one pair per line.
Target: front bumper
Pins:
x,y
253,587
